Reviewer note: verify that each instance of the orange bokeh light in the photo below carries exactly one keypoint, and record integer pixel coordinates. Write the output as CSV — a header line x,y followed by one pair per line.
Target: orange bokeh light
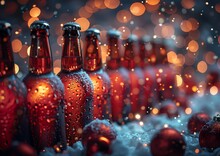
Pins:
x,y
99,4
16,45
137,9
193,46
210,57
167,31
123,16
84,23
23,51
188,4
202,67
16,68
111,4
35,12
31,20
152,2
125,32
186,26
84,13
217,7
194,23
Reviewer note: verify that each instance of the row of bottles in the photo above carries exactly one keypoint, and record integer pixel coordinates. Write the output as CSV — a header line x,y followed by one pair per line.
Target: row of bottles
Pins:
x,y
59,106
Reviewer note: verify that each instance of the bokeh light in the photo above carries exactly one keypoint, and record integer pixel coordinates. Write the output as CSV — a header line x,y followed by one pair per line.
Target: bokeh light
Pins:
x,y
16,68
188,4
84,23
125,32
84,13
202,67
152,2
112,4
137,9
213,90
193,46
16,45
123,16
186,26
31,20
179,81
35,12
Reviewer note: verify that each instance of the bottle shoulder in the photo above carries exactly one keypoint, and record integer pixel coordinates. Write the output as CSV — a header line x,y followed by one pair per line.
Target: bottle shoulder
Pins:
x,y
12,88
13,81
99,75
50,79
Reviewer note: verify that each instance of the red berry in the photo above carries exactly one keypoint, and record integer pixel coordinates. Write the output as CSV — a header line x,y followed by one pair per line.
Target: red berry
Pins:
x,y
168,142
197,121
97,137
170,109
21,149
209,135
182,101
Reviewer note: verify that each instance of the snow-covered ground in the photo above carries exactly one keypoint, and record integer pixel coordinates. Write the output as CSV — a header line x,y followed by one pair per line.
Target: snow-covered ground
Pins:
x,y
133,139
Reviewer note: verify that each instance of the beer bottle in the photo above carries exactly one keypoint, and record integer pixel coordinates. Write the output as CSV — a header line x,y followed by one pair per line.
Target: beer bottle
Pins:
x,y
149,70
136,77
78,88
165,75
12,94
120,95
45,93
93,66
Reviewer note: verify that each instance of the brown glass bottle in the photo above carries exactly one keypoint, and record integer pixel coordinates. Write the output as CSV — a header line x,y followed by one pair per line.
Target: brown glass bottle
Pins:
x,y
149,71
78,88
165,75
119,77
45,93
93,66
137,81
12,93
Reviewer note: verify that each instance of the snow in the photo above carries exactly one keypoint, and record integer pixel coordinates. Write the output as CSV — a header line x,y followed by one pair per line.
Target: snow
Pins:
x,y
133,139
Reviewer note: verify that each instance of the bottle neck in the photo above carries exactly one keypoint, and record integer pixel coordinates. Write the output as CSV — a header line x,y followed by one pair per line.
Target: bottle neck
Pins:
x,y
6,57
142,56
113,60
92,56
71,56
160,53
40,56
129,56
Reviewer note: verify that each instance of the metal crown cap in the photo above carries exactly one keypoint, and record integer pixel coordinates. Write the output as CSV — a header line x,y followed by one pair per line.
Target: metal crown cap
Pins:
x,y
217,118
92,32
146,39
5,26
114,33
71,26
132,38
39,24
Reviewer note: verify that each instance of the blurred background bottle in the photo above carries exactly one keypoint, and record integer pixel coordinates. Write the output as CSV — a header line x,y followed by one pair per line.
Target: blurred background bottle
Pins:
x,y
146,63
136,77
100,79
120,89
12,94
165,75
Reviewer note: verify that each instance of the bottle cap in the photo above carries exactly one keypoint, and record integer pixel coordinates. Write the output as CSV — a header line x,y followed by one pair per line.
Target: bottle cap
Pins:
x,y
132,38
146,39
92,32
114,33
5,28
71,26
39,25
217,118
